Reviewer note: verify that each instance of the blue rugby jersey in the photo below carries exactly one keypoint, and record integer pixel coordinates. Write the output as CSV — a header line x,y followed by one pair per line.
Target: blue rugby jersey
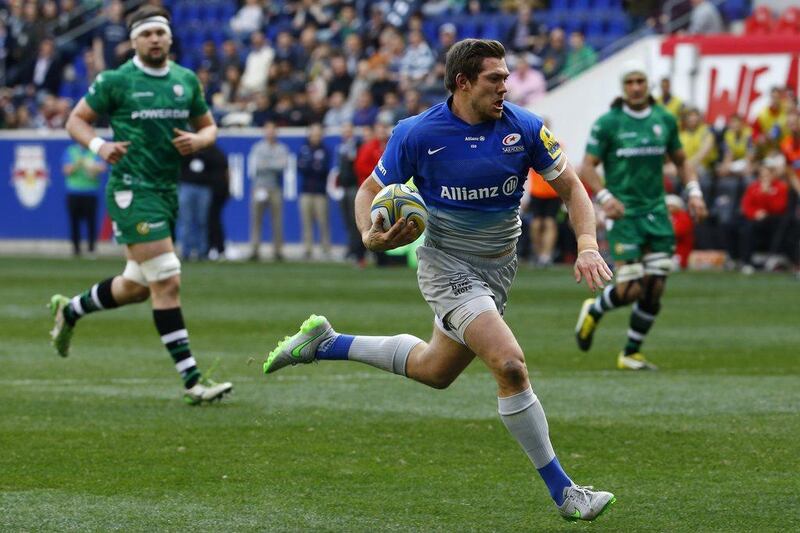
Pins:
x,y
471,176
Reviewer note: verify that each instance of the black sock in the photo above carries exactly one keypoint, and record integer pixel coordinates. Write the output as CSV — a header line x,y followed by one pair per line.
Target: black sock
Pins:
x,y
96,298
605,301
642,318
169,323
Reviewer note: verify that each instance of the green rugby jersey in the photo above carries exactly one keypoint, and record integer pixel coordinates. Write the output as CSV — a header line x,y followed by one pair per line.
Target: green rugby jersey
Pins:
x,y
632,151
143,109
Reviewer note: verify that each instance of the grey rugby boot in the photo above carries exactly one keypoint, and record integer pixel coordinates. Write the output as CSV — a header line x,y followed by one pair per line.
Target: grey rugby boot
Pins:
x,y
583,503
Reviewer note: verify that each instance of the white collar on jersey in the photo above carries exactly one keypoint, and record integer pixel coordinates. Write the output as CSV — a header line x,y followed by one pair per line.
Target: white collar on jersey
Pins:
x,y
160,72
644,113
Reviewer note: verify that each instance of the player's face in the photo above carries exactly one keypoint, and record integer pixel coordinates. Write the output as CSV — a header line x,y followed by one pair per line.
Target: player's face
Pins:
x,y
489,89
636,90
152,46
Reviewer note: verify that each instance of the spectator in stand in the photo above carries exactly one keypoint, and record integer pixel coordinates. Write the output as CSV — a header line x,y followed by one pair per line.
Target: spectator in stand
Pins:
x,y
286,48
760,21
257,65
22,118
220,192
447,38
417,61
67,20
412,104
581,56
230,57
699,144
52,113
111,42
791,151
209,87
373,29
769,126
346,24
287,79
790,146
763,205
339,113
348,181
248,19
738,154
353,51
683,226
314,164
311,13
705,18
554,56
543,203
522,34
282,110
381,83
262,112
266,164
228,99
365,111
301,113
391,110
672,103
338,77
526,86
307,43
82,171
209,60
45,71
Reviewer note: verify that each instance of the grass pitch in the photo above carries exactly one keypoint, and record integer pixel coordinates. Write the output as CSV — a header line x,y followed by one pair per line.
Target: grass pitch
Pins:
x,y
101,440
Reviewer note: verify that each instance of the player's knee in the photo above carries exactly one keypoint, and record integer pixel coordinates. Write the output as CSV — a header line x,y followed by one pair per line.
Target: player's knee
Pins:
x,y
167,288
513,372
658,264
161,268
136,293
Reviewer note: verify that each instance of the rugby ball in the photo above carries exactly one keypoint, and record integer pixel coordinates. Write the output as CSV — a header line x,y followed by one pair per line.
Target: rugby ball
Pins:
x,y
396,201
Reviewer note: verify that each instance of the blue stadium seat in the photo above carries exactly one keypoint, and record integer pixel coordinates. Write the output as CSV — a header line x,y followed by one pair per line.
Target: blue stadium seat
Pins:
x,y
559,5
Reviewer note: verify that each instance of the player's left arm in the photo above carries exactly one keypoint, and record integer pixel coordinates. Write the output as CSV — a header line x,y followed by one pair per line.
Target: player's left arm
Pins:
x,y
589,263
205,134
697,206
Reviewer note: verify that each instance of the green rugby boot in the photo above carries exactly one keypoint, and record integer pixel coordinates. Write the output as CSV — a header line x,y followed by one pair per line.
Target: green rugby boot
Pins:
x,y
300,348
61,334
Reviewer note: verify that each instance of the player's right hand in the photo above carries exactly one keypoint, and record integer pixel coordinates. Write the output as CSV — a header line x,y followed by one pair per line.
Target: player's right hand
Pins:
x,y
400,234
613,208
112,152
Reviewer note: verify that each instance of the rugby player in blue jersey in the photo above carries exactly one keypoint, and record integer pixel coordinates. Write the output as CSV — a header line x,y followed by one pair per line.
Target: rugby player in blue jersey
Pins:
x,y
469,157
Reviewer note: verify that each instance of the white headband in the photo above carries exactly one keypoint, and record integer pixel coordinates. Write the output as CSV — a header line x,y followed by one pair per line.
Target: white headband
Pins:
x,y
149,24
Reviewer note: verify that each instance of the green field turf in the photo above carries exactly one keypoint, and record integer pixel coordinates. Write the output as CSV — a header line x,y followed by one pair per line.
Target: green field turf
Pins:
x,y
101,441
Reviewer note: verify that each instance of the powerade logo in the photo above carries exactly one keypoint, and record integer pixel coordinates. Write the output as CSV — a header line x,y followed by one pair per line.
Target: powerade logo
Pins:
x,y
149,114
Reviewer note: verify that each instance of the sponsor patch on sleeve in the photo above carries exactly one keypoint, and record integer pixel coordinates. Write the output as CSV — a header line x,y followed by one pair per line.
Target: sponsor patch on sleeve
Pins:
x,y
550,142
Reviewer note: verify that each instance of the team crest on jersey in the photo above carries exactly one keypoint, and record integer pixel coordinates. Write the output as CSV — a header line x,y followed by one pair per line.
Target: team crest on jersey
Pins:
x,y
142,228
30,174
178,90
657,130
550,142
511,139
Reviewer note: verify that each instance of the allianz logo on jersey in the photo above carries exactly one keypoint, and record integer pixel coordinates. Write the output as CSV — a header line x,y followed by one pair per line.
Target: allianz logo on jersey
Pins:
x,y
149,114
480,193
473,139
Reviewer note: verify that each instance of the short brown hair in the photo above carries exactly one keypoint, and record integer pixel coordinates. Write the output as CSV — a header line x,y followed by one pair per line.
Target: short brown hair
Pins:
x,y
145,12
466,57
